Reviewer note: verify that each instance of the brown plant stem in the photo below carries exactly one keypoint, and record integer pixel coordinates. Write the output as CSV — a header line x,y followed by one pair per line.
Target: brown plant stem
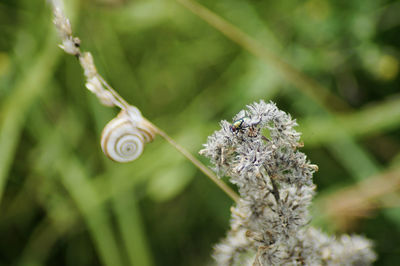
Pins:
x,y
232,194
347,205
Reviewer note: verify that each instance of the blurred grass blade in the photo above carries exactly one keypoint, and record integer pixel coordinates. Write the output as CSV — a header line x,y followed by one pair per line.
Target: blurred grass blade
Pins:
x,y
319,93
76,182
131,227
14,112
41,242
360,164
369,120
24,94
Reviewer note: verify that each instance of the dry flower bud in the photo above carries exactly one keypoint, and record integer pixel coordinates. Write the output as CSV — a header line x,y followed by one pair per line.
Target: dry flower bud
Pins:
x,y
88,65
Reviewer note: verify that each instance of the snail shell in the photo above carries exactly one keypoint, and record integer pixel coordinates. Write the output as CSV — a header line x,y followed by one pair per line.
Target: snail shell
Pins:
x,y
124,137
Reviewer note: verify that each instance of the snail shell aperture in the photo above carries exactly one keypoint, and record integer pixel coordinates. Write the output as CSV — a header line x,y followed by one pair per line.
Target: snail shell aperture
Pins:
x,y
123,138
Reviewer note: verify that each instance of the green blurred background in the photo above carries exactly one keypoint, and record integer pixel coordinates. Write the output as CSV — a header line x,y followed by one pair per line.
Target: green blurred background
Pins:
x,y
64,203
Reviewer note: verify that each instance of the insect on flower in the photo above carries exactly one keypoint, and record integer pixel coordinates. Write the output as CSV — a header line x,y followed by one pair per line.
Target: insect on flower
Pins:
x,y
238,125
245,123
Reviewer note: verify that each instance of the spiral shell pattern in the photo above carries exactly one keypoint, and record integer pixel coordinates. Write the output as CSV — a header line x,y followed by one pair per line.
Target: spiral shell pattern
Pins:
x,y
123,138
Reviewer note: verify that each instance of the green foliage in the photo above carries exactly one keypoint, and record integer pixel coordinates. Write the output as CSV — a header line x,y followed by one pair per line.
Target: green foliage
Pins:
x,y
64,203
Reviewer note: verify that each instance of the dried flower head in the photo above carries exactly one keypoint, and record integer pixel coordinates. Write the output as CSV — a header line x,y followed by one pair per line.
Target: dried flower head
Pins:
x,y
258,152
70,44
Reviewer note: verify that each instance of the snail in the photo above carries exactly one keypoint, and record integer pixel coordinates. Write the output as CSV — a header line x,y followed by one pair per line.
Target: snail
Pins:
x,y
124,137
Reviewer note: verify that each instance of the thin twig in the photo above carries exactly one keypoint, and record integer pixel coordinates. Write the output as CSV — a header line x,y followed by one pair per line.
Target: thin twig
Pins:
x,y
232,194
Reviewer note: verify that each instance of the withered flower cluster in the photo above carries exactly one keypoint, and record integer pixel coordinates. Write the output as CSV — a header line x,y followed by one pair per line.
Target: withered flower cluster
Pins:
x,y
269,224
